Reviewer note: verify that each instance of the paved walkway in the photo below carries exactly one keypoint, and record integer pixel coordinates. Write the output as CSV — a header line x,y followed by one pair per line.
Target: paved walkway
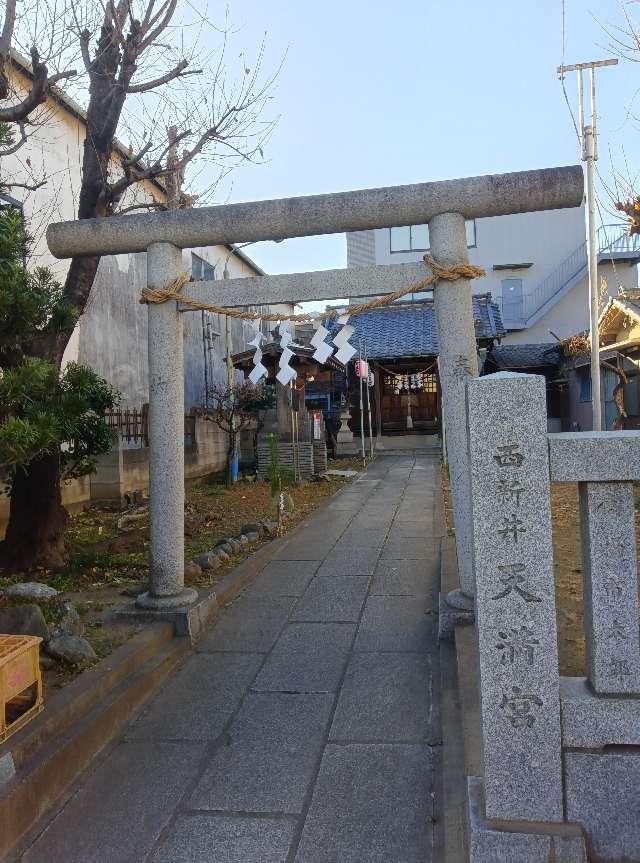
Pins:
x,y
305,729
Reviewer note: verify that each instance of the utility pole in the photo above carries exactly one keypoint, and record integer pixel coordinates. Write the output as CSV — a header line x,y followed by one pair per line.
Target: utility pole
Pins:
x,y
589,155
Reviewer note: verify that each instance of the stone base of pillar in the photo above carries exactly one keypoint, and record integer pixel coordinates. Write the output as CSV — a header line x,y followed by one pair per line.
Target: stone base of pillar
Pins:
x,y
189,620
459,601
149,602
449,617
489,841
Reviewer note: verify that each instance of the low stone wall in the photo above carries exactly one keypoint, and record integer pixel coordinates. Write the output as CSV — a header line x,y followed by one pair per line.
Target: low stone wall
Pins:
x,y
122,471
296,458
319,456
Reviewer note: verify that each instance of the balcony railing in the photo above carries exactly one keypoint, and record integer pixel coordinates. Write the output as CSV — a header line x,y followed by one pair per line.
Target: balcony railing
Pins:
x,y
612,240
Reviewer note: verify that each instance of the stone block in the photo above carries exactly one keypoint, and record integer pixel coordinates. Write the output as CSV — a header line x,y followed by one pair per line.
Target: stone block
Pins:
x,y
309,657
515,597
487,844
350,561
395,623
332,599
387,698
358,537
409,548
250,623
225,839
594,456
197,702
602,794
284,578
403,577
268,757
609,566
127,801
370,803
590,721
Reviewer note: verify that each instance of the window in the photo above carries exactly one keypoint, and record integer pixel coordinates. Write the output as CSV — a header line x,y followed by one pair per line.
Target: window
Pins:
x,y
584,379
415,238
201,270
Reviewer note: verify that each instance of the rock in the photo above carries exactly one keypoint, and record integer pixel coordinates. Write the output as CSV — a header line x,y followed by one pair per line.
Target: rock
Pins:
x,y
244,542
65,619
253,536
24,620
71,649
208,561
192,570
270,527
131,520
47,662
252,527
222,556
221,542
236,545
31,590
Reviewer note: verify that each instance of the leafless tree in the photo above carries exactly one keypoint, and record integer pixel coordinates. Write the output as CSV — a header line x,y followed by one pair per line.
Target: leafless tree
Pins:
x,y
140,69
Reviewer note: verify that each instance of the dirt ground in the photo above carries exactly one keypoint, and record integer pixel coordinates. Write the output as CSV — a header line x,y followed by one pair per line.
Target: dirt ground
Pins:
x,y
108,565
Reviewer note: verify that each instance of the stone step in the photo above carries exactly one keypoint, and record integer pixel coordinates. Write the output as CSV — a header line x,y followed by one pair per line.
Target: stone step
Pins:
x,y
82,719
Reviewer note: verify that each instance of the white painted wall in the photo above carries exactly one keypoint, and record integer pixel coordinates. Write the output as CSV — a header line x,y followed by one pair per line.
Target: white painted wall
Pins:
x,y
570,315
543,239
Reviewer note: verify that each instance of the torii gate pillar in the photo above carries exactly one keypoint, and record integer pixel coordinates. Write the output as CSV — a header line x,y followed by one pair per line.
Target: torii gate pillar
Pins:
x,y
458,361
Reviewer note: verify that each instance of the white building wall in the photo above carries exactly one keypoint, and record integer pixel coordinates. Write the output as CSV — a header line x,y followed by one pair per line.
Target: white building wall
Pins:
x,y
543,239
570,315
111,335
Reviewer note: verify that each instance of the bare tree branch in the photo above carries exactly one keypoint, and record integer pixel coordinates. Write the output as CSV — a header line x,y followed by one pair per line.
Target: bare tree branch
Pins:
x,y
178,72
39,91
29,187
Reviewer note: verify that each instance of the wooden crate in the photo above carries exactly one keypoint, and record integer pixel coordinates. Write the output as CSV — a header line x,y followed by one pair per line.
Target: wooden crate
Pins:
x,y
20,682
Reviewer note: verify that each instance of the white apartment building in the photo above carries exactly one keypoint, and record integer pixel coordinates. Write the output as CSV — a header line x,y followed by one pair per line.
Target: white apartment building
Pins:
x,y
535,263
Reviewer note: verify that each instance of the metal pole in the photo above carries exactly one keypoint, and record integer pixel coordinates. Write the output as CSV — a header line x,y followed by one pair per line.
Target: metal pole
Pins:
x,y
458,361
364,454
589,155
166,439
592,259
368,402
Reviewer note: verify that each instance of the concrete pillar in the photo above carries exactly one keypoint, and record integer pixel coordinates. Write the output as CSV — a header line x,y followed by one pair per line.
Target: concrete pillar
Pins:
x,y
166,439
458,363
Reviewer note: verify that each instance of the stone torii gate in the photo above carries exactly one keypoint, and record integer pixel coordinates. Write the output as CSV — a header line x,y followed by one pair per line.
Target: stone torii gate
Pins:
x,y
443,205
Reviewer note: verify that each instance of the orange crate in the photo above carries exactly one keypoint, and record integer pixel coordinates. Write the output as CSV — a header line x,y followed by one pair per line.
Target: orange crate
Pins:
x,y
20,682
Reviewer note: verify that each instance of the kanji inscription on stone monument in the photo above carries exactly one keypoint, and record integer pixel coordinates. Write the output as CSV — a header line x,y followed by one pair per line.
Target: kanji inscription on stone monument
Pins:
x,y
610,587
515,598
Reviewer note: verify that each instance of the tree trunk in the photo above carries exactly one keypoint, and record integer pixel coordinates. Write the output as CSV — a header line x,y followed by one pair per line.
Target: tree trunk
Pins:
x,y
37,520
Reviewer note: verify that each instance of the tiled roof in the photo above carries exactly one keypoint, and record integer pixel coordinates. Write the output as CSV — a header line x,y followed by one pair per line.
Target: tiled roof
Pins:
x,y
507,357
410,329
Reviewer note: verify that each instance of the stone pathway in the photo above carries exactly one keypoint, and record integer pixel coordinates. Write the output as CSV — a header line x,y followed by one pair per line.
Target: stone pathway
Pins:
x,y
305,729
